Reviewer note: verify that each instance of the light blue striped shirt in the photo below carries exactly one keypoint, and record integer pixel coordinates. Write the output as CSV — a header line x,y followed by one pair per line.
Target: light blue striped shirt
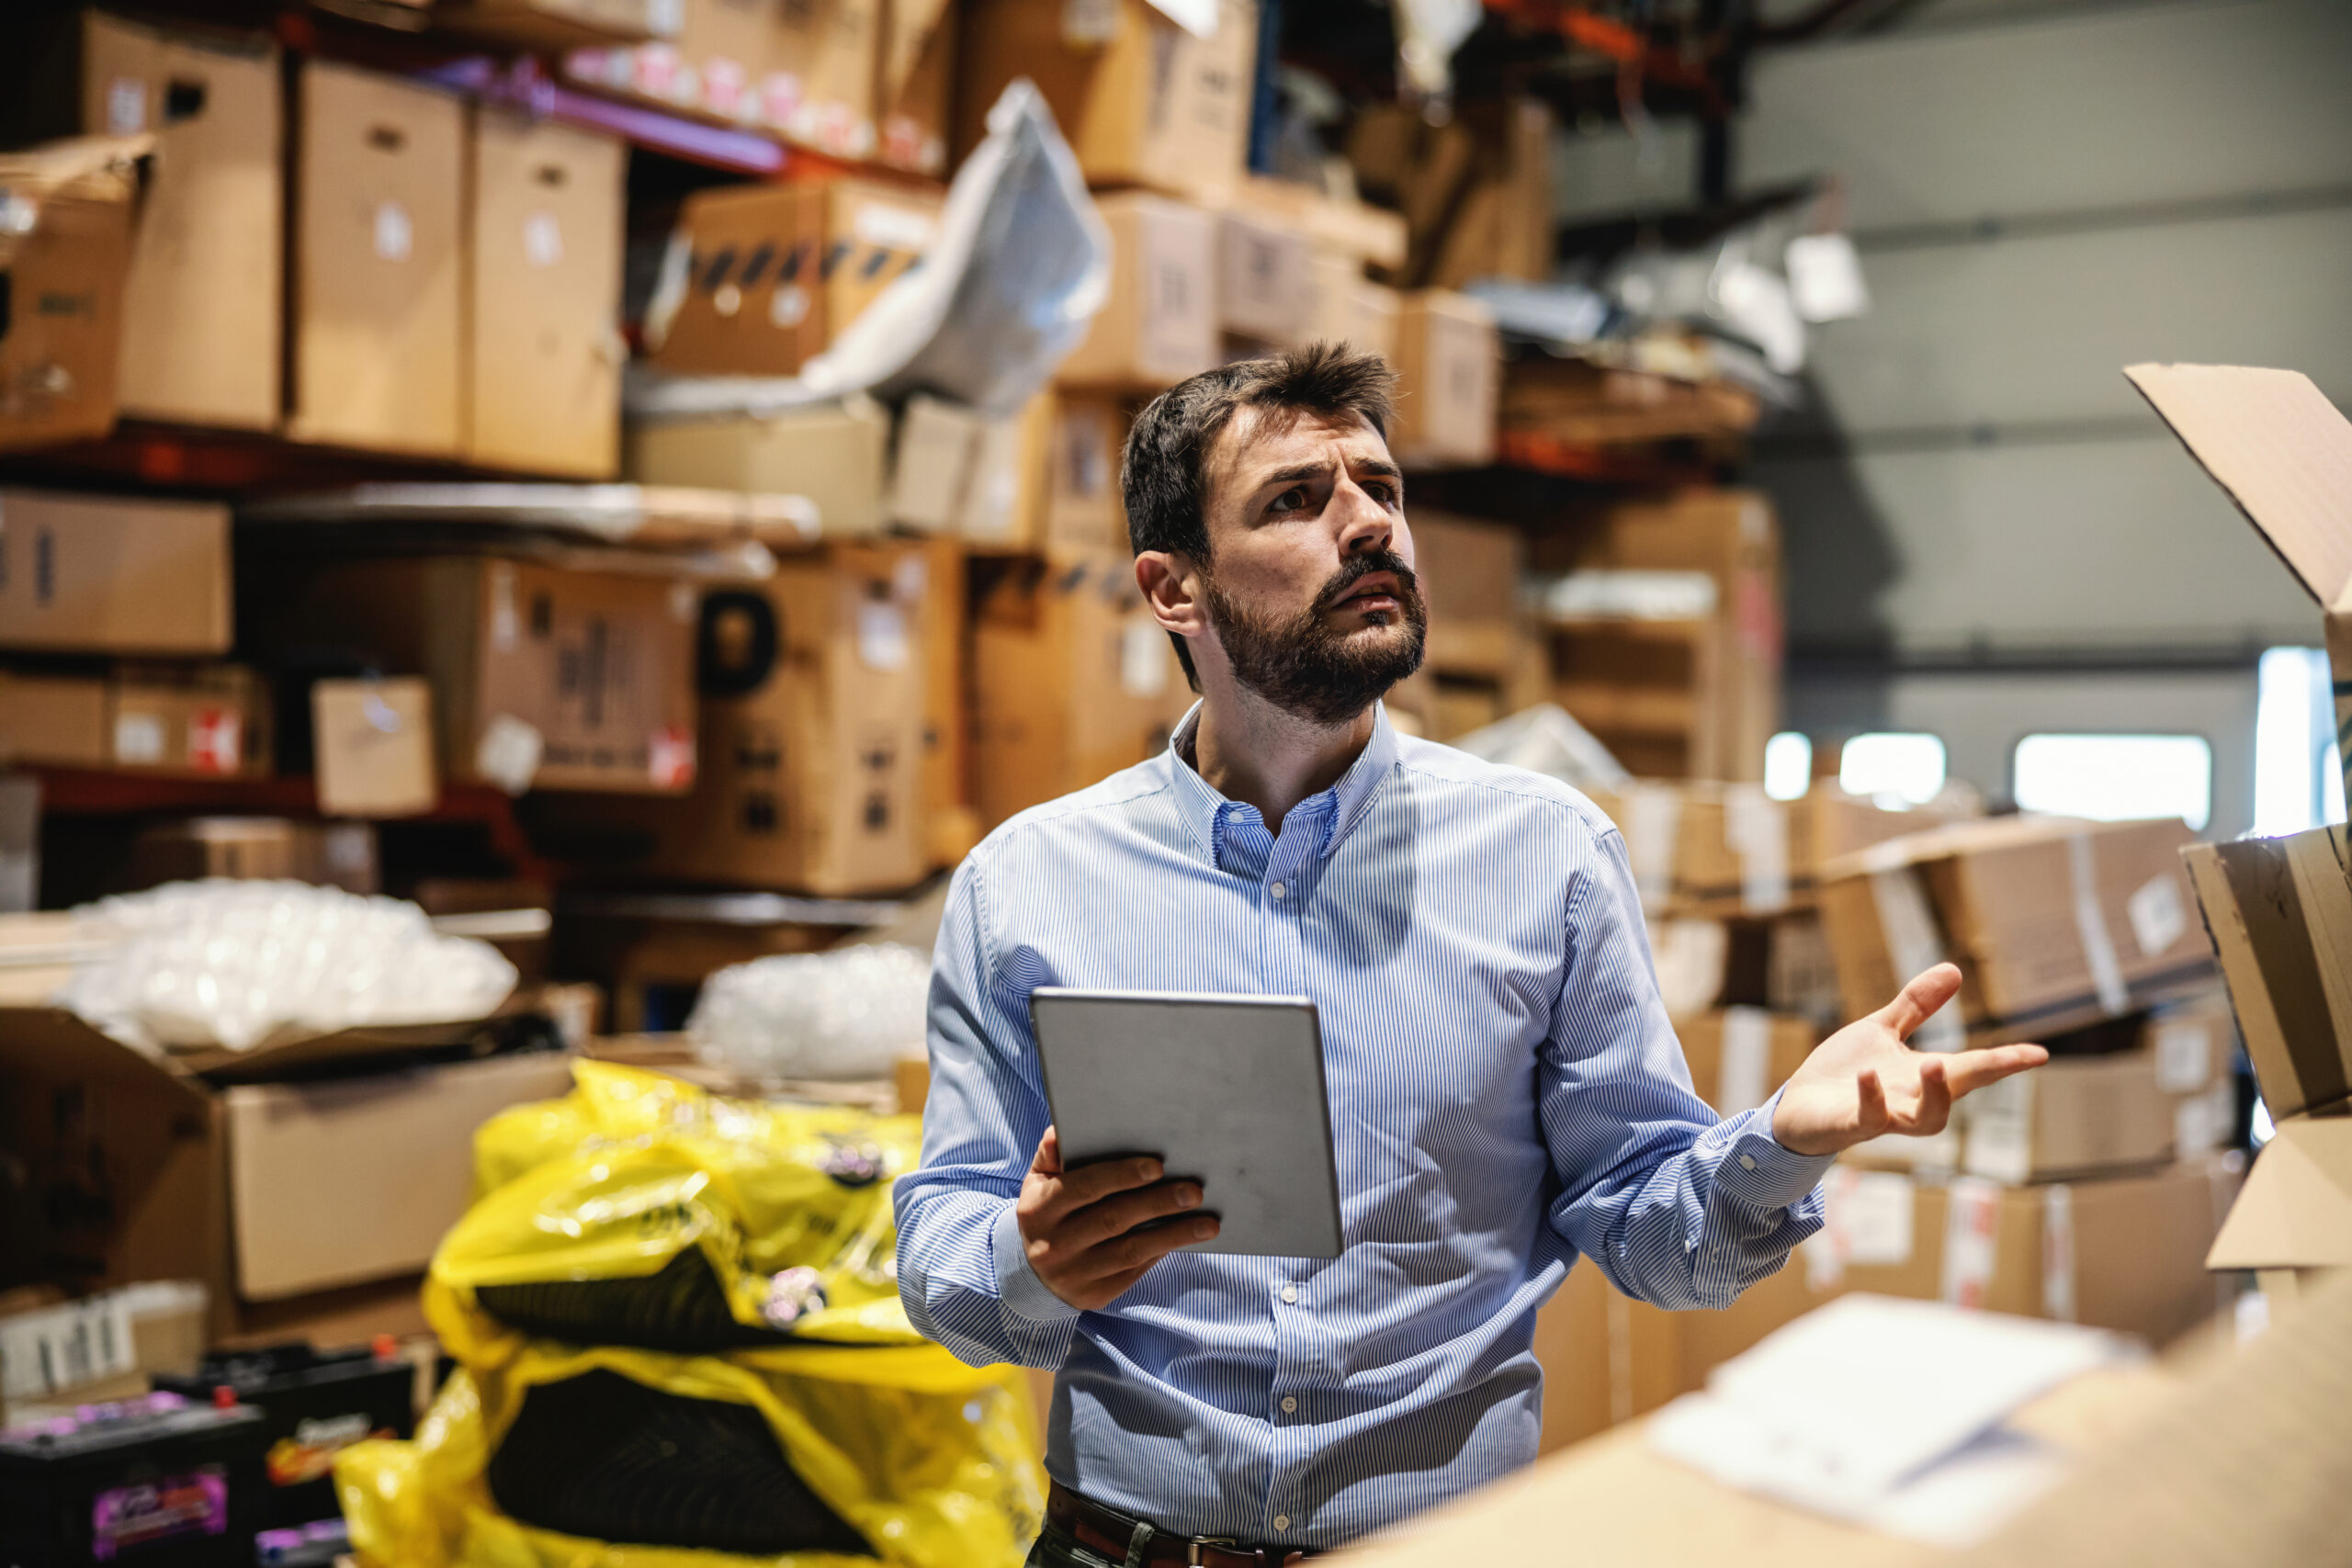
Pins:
x,y
1505,1093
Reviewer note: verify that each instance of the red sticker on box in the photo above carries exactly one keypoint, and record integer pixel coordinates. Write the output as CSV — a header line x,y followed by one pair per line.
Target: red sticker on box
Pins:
x,y
670,758
216,741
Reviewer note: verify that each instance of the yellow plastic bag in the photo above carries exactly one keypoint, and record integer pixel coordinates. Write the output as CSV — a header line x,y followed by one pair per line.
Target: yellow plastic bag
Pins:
x,y
931,1462
790,1205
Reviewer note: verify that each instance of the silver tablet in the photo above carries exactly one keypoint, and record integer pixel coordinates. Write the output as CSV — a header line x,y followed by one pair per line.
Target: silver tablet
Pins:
x,y
1227,1091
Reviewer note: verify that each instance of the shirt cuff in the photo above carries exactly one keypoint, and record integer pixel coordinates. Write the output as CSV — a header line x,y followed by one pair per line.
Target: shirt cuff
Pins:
x,y
1017,1284
1760,1171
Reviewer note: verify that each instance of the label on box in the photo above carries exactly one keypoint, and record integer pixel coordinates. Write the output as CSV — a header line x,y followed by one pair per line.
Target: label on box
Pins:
x,y
1143,658
1747,1060
542,240
2157,918
882,635
2058,1253
61,1348
2090,923
1867,1222
2000,1130
2184,1054
508,752
1652,825
1972,1225
670,758
2201,1122
216,741
505,616
126,106
1757,828
787,306
124,1518
910,579
138,738
1913,945
395,235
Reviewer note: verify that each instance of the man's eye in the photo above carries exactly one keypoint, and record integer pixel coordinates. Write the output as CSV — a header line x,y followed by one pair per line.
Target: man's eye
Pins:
x,y
1289,500
1382,492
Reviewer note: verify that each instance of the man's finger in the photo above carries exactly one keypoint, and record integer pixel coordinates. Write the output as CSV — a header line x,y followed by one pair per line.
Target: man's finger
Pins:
x,y
1935,1097
1049,1154
1919,1001
1870,1108
1121,1213
1092,1184
1968,1071
1140,1249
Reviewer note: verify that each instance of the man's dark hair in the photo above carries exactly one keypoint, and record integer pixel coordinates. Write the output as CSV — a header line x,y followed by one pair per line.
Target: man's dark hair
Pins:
x,y
1163,476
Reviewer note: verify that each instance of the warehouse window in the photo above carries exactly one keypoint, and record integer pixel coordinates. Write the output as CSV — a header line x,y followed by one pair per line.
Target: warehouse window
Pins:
x,y
1788,765
1907,766
2115,778
2298,777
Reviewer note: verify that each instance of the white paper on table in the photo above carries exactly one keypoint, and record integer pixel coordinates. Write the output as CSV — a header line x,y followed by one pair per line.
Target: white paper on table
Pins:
x,y
1853,1410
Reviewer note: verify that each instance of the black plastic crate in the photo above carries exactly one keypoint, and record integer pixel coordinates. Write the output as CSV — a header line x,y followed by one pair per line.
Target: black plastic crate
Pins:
x,y
314,1403
156,1482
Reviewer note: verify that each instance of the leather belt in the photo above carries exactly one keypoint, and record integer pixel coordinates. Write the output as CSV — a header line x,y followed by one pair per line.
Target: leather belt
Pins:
x,y
1136,1543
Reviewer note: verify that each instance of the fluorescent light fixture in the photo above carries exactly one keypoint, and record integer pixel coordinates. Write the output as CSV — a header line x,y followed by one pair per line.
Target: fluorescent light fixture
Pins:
x,y
1788,765
1908,766
2115,778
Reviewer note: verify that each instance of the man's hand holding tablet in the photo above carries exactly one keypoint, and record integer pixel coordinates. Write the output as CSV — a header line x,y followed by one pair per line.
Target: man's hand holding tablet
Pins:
x,y
1091,1232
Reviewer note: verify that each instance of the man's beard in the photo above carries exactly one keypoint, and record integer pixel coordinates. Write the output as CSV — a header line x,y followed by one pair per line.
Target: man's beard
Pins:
x,y
1306,666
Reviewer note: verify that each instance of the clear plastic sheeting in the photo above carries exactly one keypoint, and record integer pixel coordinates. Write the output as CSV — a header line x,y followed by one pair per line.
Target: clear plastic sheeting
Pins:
x,y
1546,739
1022,263
237,965
851,1013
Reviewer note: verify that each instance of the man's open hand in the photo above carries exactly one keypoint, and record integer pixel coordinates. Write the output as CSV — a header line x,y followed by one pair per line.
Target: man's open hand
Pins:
x,y
1863,1080
1079,1225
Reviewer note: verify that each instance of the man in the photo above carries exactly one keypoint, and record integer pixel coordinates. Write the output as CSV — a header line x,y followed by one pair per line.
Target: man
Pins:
x,y
1505,1091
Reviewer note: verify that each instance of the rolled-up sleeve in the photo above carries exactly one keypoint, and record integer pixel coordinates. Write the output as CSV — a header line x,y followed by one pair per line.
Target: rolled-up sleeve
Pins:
x,y
964,1274
1675,1206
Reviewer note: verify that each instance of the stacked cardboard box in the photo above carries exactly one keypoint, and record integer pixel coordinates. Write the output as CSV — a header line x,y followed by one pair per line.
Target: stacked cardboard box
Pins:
x,y
1664,616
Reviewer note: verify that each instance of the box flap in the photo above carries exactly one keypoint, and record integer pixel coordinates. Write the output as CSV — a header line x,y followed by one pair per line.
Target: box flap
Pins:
x,y
53,1042
2296,1209
1974,834
2282,451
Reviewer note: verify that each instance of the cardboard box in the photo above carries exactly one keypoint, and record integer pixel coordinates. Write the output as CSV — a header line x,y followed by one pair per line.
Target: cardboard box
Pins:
x,y
1688,690
2054,923
559,24
352,1179
202,307
154,1162
2125,1253
1265,276
371,747
1715,850
1072,678
543,354
1739,1057
1157,325
202,721
2280,918
918,84
835,455
1469,574
1048,478
2294,1222
102,574
823,67
2072,1117
812,714
2281,450
1448,369
1141,100
932,465
55,719
332,855
2193,1044
378,285
951,825
1336,225
542,678
65,256
1350,308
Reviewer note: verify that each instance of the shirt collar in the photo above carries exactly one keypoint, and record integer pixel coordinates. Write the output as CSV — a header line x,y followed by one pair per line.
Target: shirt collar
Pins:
x,y
1339,808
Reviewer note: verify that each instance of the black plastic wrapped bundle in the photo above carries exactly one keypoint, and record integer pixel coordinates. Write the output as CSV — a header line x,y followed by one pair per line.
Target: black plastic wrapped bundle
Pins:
x,y
682,1309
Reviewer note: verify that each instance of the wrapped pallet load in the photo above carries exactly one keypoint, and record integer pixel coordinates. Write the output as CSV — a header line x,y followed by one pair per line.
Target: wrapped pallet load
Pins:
x,y
678,1335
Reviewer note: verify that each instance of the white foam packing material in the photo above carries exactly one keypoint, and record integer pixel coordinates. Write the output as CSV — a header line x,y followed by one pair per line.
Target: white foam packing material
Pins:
x,y
241,963
850,1013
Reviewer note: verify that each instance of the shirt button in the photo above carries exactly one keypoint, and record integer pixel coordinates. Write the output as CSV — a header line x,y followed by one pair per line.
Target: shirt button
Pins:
x,y
1290,1293
1290,1406
1281,1521
1747,1162
1278,890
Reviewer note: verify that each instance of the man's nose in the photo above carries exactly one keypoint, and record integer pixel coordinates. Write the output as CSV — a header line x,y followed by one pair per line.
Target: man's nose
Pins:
x,y
1365,525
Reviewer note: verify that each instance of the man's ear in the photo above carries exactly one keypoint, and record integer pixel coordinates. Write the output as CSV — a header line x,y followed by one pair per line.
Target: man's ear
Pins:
x,y
1171,586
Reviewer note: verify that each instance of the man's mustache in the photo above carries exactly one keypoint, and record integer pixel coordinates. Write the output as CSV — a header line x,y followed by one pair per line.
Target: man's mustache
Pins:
x,y
1358,567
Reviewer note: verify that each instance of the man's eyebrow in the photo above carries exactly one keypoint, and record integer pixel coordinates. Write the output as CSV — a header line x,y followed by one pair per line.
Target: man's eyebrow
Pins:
x,y
1297,471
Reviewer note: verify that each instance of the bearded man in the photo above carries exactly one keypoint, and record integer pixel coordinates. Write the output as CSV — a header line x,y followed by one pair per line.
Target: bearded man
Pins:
x,y
1505,1091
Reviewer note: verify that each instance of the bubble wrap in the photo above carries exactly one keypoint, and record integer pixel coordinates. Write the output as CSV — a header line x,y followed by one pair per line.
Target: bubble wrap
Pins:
x,y
846,1014
237,964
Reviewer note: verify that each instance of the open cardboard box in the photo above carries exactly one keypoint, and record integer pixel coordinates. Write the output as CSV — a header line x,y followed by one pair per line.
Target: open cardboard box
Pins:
x,y
2283,453
2292,1222
267,1192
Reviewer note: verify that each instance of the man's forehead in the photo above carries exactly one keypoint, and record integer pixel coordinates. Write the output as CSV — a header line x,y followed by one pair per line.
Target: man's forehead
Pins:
x,y
1257,439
